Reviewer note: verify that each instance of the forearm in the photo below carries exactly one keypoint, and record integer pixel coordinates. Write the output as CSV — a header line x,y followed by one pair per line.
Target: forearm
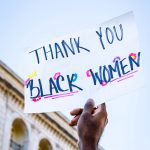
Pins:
x,y
87,146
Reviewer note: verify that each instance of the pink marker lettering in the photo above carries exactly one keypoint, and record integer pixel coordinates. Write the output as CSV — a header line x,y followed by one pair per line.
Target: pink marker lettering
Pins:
x,y
133,55
36,99
26,82
104,83
88,73
56,75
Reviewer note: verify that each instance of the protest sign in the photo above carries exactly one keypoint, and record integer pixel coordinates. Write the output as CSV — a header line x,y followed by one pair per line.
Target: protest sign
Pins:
x,y
101,63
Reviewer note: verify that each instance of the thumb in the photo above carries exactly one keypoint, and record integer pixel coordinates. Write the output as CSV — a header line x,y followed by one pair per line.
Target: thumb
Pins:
x,y
89,106
101,114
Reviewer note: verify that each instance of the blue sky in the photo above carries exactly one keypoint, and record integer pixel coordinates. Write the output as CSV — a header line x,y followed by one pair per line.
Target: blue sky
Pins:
x,y
34,22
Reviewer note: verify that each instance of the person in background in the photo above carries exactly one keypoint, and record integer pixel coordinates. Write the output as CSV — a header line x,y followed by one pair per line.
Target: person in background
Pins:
x,y
90,122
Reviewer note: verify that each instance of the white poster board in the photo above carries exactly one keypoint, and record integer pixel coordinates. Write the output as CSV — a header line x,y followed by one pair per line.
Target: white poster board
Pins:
x,y
101,63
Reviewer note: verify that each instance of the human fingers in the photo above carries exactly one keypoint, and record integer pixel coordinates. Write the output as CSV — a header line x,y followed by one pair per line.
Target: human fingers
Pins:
x,y
99,108
101,113
76,111
74,120
89,106
102,107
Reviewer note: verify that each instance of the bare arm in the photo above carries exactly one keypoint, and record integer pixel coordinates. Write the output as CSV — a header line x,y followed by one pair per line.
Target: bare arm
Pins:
x,y
90,122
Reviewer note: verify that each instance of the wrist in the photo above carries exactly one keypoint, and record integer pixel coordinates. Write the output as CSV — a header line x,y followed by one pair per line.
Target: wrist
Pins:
x,y
87,145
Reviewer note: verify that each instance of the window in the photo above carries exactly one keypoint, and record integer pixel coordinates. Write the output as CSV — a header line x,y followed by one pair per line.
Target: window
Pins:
x,y
45,145
19,135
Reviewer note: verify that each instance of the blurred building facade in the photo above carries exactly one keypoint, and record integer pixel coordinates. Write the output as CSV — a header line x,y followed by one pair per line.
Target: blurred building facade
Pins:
x,y
20,131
